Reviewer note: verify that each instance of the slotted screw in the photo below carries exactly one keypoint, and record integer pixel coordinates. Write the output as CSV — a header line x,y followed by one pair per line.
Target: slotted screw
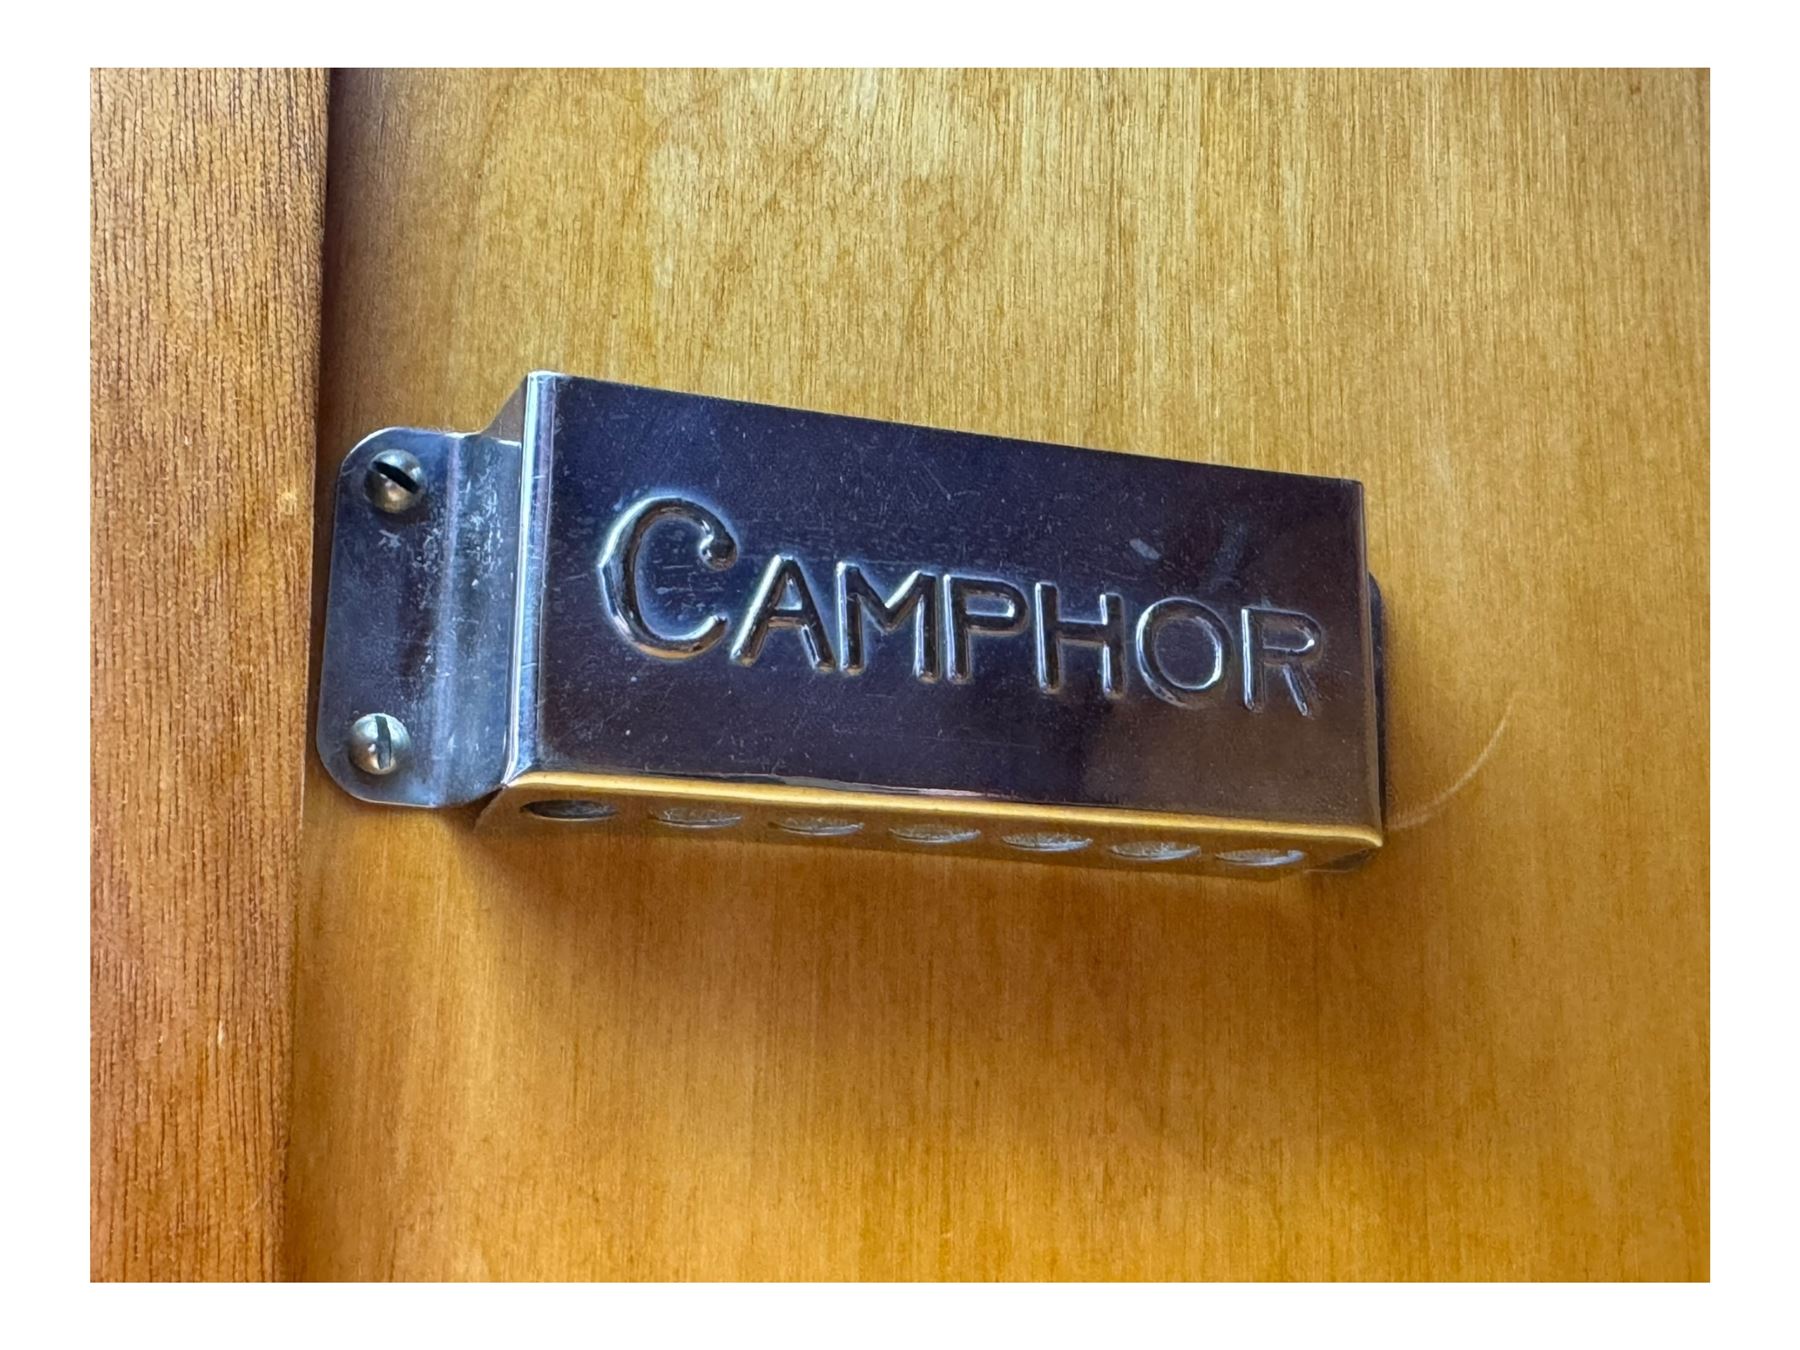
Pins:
x,y
395,481
378,742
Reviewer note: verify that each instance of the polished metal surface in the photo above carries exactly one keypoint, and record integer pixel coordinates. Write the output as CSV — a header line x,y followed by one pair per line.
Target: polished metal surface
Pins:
x,y
626,608
421,615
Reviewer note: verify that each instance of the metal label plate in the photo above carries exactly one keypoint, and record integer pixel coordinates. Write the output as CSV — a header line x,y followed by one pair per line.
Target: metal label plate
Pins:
x,y
726,602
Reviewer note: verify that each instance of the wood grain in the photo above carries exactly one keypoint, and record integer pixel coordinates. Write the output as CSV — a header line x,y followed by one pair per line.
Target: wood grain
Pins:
x,y
208,197
1485,295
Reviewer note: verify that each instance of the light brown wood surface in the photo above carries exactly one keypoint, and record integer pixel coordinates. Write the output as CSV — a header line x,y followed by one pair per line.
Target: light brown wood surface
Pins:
x,y
208,206
1484,295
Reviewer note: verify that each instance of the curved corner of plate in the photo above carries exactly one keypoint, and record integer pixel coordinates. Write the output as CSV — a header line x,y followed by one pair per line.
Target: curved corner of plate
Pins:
x,y
414,683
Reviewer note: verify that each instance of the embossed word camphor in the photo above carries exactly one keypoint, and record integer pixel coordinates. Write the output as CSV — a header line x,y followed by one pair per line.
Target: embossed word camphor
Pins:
x,y
625,609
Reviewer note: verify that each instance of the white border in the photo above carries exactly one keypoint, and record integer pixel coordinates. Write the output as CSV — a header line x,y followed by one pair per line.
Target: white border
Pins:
x,y
46,1244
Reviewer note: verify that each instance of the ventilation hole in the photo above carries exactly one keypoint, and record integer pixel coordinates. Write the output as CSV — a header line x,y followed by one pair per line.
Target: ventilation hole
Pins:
x,y
1262,857
1047,842
818,827
935,834
1155,850
570,809
698,817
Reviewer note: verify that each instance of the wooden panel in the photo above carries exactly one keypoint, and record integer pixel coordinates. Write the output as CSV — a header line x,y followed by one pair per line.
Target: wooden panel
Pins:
x,y
1484,1056
208,198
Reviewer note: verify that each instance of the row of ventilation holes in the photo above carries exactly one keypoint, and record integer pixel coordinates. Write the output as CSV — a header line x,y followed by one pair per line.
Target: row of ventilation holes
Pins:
x,y
826,827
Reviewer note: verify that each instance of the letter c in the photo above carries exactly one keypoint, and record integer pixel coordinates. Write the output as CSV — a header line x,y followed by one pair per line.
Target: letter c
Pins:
x,y
619,575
